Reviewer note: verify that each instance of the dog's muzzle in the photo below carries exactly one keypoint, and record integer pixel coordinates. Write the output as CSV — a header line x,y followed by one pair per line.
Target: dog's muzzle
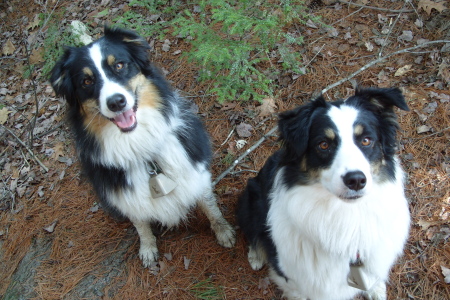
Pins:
x,y
125,120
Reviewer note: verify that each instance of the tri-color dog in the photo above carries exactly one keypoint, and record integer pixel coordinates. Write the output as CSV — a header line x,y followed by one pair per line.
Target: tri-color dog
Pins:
x,y
146,154
328,211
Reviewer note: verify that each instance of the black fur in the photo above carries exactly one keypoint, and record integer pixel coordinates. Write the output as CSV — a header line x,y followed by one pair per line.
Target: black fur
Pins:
x,y
301,129
67,80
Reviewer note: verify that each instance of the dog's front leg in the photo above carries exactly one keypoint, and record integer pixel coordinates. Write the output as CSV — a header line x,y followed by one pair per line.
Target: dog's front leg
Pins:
x,y
225,234
148,250
256,256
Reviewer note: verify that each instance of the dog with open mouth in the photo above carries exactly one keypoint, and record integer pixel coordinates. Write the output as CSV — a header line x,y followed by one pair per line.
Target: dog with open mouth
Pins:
x,y
145,152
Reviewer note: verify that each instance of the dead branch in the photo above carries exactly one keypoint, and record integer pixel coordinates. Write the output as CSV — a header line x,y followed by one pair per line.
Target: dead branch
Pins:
x,y
262,139
376,61
28,149
377,8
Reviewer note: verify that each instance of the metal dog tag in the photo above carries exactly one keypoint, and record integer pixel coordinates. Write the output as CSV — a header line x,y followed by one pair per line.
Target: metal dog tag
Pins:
x,y
359,279
161,185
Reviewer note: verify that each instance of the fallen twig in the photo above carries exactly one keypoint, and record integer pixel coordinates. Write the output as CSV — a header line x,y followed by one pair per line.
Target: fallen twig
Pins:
x,y
431,134
262,139
377,8
365,67
28,149
229,135
386,39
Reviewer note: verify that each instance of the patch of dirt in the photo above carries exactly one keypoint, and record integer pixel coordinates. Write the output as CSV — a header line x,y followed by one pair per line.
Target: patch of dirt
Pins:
x,y
57,244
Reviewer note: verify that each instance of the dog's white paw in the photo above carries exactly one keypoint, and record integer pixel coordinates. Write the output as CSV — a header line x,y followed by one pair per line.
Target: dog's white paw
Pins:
x,y
148,255
378,292
256,258
225,234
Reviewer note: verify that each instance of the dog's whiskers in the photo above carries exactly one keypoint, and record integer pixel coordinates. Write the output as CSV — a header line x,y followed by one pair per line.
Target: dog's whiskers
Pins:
x,y
97,112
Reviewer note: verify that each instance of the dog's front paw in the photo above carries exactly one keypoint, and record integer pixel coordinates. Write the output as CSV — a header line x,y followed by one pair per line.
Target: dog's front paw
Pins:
x,y
378,292
148,255
256,257
225,234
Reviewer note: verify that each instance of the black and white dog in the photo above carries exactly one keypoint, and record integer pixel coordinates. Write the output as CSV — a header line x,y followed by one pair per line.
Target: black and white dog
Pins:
x,y
328,211
133,134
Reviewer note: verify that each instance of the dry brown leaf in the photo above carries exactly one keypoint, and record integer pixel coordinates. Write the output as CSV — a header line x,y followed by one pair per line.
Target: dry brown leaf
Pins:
x,y
50,228
426,224
4,115
228,106
58,151
267,108
36,56
428,6
446,273
431,232
231,145
423,129
244,130
444,70
34,23
403,70
8,48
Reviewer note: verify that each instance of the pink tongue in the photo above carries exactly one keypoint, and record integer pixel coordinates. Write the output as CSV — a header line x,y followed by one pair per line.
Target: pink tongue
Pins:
x,y
125,120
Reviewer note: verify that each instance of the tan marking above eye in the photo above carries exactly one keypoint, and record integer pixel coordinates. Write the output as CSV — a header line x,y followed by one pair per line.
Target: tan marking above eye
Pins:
x,y
88,71
358,130
329,133
111,60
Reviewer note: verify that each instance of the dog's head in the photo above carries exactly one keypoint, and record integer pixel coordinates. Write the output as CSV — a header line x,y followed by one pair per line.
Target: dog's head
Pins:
x,y
345,145
105,80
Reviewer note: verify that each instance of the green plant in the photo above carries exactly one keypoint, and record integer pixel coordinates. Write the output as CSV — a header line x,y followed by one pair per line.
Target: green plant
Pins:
x,y
228,159
147,17
54,43
238,44
206,290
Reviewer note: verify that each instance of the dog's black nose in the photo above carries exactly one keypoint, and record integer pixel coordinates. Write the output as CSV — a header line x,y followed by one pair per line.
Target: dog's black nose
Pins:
x,y
355,180
116,102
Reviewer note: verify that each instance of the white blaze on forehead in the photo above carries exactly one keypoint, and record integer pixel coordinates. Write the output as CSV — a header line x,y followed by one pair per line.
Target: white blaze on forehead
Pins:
x,y
349,156
344,118
109,87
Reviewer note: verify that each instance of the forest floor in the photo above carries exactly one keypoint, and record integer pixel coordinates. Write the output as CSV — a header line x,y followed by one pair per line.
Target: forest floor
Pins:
x,y
55,241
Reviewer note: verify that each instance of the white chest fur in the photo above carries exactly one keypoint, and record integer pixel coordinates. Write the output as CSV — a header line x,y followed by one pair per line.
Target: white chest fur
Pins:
x,y
317,235
154,139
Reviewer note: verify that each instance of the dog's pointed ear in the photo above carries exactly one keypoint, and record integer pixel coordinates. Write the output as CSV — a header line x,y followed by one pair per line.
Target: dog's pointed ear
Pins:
x,y
384,98
134,42
382,101
60,79
126,36
294,126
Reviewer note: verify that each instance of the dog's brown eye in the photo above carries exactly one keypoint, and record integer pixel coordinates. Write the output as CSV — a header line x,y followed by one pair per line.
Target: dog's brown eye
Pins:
x,y
88,81
366,141
119,66
323,145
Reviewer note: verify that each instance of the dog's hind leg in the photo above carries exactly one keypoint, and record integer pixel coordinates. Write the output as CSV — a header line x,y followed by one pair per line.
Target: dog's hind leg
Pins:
x,y
225,234
256,256
148,250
